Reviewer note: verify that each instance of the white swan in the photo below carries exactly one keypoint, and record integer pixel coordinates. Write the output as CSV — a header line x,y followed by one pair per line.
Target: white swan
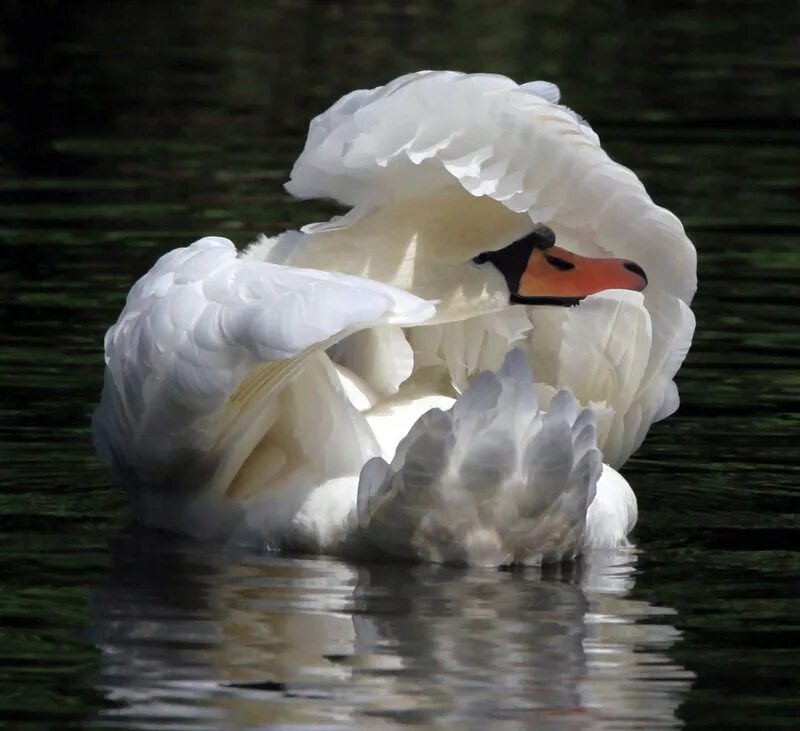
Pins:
x,y
305,393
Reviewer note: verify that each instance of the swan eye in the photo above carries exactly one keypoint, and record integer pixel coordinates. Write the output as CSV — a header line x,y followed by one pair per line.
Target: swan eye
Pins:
x,y
480,259
558,263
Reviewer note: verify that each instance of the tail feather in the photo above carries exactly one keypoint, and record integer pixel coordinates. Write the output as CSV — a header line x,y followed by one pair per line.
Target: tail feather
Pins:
x,y
492,481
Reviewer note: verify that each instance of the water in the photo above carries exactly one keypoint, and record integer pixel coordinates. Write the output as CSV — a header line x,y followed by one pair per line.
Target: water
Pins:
x,y
130,128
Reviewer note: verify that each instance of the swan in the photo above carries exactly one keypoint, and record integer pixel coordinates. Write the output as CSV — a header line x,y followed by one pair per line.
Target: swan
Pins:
x,y
451,371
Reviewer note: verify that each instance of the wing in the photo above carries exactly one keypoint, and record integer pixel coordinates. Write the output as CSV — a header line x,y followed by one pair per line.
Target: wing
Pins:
x,y
488,136
205,340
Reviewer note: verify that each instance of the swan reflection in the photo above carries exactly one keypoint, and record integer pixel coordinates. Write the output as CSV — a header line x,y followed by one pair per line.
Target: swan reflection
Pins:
x,y
195,637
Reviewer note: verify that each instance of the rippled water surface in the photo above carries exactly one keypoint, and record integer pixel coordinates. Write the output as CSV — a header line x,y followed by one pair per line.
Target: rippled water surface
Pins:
x,y
130,128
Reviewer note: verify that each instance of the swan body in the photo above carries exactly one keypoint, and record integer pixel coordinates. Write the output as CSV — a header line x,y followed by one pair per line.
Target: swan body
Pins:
x,y
394,380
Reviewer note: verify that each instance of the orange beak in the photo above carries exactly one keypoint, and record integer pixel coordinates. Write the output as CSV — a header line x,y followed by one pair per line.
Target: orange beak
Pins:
x,y
556,276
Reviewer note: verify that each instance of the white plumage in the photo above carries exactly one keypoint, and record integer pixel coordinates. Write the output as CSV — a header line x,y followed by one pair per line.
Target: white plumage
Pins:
x,y
201,321
245,392
491,481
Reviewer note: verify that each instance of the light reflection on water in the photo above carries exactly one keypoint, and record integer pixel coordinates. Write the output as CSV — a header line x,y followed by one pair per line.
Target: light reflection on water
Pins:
x,y
195,637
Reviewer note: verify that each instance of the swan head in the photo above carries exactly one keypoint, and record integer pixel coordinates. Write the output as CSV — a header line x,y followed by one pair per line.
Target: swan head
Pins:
x,y
537,272
470,254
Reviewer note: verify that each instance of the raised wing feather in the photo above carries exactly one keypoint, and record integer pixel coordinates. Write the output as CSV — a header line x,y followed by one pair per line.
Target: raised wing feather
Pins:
x,y
619,356
488,136
205,337
483,132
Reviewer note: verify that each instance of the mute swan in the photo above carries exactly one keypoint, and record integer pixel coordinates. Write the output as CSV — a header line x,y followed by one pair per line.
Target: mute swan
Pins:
x,y
437,374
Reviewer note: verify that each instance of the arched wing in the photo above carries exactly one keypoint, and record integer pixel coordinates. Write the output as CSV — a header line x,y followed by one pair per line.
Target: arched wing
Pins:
x,y
206,334
485,135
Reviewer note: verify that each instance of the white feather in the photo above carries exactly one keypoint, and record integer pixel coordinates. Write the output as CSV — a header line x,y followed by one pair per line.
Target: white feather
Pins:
x,y
196,325
617,356
516,144
463,348
491,481
431,130
380,356
223,411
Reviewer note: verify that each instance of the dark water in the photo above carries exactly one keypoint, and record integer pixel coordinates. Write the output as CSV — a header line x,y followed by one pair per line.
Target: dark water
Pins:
x,y
131,128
